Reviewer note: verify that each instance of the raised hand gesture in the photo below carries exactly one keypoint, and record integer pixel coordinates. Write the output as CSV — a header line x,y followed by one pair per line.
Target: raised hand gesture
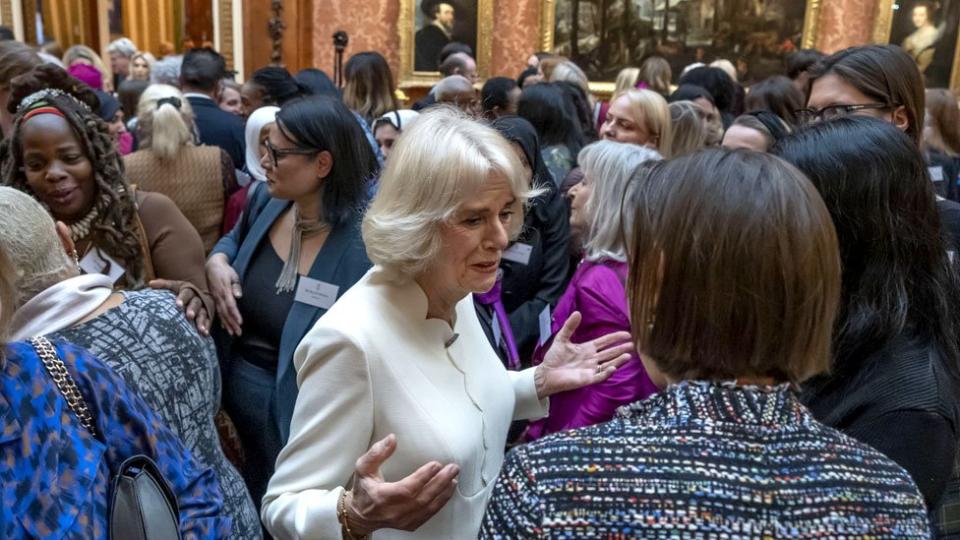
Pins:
x,y
569,365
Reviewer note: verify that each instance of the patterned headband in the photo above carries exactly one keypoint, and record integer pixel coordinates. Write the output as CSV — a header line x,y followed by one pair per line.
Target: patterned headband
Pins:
x,y
44,95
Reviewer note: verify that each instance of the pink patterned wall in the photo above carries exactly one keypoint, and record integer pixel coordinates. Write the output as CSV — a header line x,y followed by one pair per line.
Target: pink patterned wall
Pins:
x,y
371,24
844,23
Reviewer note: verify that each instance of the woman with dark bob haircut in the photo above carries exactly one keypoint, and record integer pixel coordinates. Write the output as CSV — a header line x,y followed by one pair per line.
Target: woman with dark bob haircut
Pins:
x,y
296,249
895,348
734,280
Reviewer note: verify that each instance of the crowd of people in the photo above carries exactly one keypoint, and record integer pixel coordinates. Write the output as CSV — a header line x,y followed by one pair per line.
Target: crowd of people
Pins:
x,y
512,309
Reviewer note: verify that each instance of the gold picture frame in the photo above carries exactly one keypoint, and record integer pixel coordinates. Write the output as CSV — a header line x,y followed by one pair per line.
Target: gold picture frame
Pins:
x,y
548,22
410,78
883,28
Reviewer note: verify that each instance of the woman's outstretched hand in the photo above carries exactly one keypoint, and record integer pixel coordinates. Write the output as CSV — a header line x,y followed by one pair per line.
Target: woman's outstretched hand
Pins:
x,y
406,504
569,365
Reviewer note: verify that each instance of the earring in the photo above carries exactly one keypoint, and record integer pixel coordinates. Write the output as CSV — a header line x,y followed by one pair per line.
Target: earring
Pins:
x,y
76,260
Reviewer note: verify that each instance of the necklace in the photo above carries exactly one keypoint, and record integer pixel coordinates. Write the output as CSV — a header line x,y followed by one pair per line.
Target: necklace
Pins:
x,y
301,229
81,229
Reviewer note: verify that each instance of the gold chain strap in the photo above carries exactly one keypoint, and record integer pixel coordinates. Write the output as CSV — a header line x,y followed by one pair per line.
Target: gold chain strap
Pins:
x,y
65,383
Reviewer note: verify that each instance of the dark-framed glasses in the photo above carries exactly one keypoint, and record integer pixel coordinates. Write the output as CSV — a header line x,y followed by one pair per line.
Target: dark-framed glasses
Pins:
x,y
277,153
808,115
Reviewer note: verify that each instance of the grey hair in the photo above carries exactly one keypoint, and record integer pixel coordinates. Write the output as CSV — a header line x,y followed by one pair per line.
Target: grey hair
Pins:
x,y
123,46
688,128
452,85
166,71
438,164
612,170
31,244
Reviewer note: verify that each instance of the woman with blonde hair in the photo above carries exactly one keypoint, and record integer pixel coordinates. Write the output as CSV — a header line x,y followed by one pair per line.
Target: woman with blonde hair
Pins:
x,y
626,79
199,179
688,128
656,72
81,54
140,65
369,89
402,418
639,117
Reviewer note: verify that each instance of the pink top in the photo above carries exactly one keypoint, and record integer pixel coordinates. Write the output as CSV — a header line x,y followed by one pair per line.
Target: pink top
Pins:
x,y
597,291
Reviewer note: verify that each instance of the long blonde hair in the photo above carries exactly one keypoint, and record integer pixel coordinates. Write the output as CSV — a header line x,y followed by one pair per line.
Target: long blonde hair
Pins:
x,y
167,128
650,109
626,79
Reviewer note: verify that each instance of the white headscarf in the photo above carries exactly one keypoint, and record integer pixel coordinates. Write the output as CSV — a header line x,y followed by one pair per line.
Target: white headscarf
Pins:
x,y
255,122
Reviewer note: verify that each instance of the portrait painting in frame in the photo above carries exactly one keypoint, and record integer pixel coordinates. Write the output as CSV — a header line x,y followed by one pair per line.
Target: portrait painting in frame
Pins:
x,y
929,31
604,36
426,26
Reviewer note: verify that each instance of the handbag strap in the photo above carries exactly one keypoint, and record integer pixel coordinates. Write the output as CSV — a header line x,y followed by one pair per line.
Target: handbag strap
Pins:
x,y
64,381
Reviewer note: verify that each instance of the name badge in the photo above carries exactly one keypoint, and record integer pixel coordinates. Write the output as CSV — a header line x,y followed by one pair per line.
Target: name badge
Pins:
x,y
98,262
936,173
545,325
316,293
497,331
519,253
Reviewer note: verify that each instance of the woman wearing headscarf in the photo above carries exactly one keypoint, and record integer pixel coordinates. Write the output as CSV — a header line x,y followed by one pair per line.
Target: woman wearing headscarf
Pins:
x,y
256,132
536,265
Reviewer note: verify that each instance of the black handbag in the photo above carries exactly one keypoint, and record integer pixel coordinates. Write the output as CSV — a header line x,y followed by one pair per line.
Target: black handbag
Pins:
x,y
142,505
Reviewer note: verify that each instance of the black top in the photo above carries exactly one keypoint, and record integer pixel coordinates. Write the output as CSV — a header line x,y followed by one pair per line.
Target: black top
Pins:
x,y
263,314
219,128
903,402
430,40
949,171
529,288
950,221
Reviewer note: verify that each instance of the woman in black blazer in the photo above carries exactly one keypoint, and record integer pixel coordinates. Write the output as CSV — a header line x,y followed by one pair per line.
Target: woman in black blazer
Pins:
x,y
296,250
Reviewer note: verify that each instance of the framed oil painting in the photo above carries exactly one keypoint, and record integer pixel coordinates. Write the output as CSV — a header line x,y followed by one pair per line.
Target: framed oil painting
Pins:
x,y
928,31
426,26
604,36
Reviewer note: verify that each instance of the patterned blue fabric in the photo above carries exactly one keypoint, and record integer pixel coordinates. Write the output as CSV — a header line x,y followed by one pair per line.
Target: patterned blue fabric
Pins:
x,y
55,476
704,460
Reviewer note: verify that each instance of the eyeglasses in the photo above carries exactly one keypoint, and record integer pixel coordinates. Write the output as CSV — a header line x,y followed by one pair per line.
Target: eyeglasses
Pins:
x,y
277,153
809,116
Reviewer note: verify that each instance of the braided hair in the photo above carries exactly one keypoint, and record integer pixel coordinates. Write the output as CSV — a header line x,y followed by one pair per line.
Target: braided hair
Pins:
x,y
115,230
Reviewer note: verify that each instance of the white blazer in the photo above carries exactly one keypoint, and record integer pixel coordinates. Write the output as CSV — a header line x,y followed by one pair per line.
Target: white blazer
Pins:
x,y
375,365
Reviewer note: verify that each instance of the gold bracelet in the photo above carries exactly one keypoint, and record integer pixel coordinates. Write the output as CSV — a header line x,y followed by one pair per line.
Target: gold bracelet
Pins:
x,y
342,518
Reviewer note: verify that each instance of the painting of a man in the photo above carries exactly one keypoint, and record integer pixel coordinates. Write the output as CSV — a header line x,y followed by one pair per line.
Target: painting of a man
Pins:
x,y
435,33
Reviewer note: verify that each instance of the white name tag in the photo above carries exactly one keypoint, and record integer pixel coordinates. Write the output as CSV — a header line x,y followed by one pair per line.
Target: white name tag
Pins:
x,y
936,173
497,331
545,325
519,253
98,262
316,293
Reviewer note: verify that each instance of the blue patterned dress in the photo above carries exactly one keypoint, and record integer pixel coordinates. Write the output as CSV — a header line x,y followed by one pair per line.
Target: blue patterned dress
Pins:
x,y
705,460
55,475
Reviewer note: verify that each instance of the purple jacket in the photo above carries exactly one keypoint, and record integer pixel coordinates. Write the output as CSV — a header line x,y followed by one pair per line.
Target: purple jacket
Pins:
x,y
597,292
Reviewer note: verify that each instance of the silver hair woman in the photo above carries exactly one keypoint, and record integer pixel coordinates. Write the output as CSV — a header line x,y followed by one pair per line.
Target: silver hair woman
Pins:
x,y
412,405
688,128
141,335
600,219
